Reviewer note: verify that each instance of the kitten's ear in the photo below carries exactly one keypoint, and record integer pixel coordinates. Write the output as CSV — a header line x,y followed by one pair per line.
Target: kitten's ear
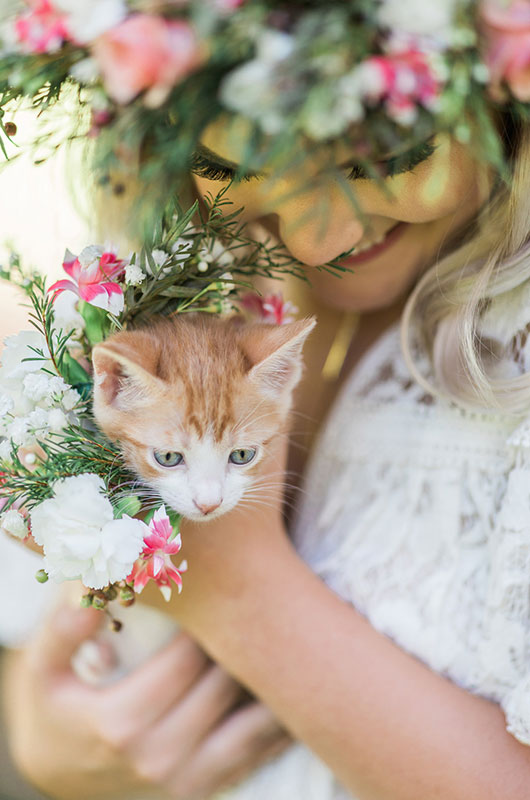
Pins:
x,y
275,352
120,378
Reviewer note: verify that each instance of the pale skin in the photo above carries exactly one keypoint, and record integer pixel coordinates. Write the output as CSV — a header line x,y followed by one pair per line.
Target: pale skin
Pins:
x,y
388,727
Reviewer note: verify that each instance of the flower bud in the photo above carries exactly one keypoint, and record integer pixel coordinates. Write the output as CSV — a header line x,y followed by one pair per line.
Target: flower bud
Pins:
x,y
41,576
127,597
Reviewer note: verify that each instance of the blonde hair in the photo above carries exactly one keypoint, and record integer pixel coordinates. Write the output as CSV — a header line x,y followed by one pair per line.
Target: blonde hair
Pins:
x,y
448,303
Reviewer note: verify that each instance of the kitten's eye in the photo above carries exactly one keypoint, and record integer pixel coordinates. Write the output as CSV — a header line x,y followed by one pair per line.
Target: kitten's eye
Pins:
x,y
168,459
242,456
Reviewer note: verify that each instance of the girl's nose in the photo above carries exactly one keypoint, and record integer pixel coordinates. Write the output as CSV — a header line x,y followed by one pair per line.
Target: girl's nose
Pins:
x,y
316,231
317,242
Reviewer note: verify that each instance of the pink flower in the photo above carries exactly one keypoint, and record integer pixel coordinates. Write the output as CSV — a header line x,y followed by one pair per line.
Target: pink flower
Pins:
x,y
507,34
91,276
42,29
228,5
155,559
146,53
401,80
271,308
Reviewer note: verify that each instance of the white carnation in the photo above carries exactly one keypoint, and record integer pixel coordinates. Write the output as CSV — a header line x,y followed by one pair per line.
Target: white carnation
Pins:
x,y
134,275
81,538
13,522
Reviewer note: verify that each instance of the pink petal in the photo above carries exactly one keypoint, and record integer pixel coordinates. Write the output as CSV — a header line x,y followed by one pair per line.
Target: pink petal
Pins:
x,y
154,542
166,592
64,286
108,296
71,265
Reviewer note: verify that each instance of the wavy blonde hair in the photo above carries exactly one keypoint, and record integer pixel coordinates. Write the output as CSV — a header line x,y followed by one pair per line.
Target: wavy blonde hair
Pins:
x,y
448,303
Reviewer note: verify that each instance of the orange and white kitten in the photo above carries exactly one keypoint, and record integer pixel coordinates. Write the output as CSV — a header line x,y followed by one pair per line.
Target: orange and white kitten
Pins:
x,y
195,402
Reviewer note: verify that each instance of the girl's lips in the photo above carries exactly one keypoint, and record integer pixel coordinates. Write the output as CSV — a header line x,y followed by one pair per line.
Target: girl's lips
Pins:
x,y
391,236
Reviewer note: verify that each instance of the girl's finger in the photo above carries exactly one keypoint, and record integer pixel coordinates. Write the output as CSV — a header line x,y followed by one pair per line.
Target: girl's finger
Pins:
x,y
185,726
207,777
240,741
145,695
59,638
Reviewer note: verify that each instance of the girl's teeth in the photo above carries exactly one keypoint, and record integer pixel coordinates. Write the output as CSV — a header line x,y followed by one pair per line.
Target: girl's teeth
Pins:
x,y
368,245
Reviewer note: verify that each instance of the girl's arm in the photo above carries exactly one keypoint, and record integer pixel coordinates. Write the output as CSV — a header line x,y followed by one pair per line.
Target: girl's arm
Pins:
x,y
387,726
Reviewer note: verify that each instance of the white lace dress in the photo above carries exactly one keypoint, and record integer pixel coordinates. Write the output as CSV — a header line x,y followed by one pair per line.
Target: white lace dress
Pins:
x,y
418,514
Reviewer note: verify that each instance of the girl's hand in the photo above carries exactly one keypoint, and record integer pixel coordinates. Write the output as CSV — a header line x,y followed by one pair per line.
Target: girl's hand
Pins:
x,y
174,726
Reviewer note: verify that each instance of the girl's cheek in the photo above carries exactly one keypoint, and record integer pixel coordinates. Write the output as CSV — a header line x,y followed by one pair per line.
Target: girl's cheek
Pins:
x,y
450,180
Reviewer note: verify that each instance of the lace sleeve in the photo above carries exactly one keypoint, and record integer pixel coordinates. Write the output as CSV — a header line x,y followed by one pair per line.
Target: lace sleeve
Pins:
x,y
505,652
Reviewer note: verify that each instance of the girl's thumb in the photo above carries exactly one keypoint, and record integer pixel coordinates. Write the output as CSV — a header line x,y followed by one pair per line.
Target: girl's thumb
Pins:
x,y
62,634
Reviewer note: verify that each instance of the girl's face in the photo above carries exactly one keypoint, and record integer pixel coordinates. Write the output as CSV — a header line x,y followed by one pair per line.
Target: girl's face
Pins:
x,y
397,226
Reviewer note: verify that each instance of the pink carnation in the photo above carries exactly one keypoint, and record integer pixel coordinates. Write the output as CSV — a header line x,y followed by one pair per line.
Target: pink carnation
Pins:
x,y
42,29
146,53
402,81
270,308
155,559
507,33
91,278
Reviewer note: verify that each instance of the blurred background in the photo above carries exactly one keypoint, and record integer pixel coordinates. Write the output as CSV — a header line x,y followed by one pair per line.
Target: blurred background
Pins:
x,y
44,208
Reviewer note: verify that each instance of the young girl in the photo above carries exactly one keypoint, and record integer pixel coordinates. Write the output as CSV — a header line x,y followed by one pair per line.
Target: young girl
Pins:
x,y
389,633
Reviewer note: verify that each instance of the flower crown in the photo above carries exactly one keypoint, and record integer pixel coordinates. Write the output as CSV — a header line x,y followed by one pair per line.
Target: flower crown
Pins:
x,y
154,74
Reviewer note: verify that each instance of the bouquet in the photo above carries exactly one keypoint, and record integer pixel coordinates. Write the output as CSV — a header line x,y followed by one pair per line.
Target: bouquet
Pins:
x,y
63,484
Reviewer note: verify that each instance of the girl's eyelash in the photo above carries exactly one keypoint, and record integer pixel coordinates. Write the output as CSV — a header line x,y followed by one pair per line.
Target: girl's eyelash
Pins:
x,y
405,162
216,172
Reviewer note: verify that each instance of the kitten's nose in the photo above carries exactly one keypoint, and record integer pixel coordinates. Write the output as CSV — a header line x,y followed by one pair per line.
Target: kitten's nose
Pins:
x,y
207,508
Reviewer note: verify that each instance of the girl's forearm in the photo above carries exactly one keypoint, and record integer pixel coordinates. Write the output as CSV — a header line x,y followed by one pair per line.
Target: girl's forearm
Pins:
x,y
386,725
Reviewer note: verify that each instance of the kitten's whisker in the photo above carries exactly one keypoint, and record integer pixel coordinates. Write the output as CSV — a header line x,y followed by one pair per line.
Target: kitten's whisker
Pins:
x,y
248,414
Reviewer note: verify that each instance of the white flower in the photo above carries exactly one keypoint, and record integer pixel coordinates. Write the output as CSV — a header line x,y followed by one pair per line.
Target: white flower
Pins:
x,y
134,275
65,312
57,420
13,522
160,257
88,256
5,450
88,19
274,46
6,404
19,347
85,71
434,20
81,538
38,421
18,431
70,400
36,385
57,386
228,285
